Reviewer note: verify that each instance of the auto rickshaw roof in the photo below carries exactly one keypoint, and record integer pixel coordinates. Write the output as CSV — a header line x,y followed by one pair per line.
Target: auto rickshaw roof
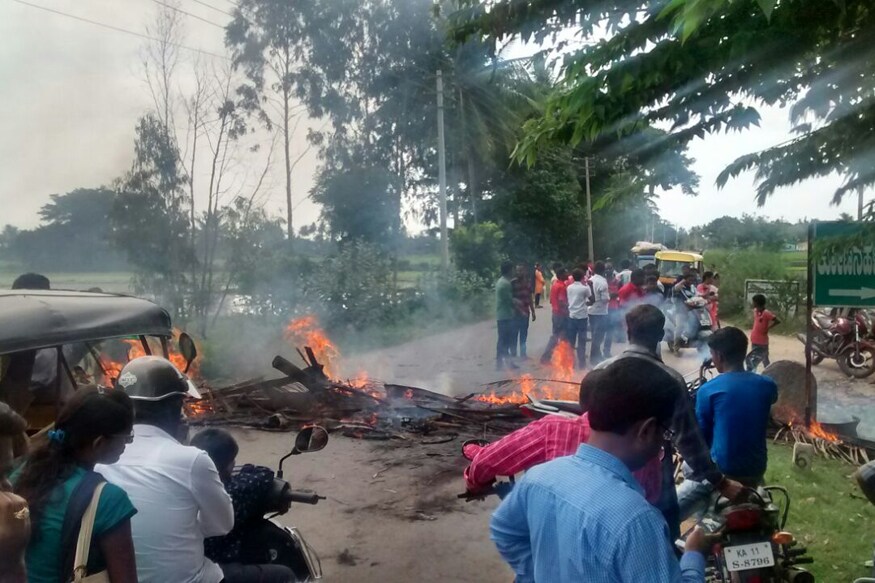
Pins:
x,y
687,256
34,319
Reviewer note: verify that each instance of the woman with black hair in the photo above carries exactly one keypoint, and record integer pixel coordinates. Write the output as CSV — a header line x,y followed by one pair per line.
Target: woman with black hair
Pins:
x,y
58,481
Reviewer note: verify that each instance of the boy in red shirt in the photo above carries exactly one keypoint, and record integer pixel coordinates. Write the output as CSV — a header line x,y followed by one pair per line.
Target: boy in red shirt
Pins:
x,y
763,321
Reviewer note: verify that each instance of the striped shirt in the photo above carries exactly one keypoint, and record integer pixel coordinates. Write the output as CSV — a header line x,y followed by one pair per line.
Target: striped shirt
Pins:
x,y
583,518
538,442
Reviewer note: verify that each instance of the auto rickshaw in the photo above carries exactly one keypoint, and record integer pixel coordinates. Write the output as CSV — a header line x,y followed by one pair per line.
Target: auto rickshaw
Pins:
x,y
670,264
52,342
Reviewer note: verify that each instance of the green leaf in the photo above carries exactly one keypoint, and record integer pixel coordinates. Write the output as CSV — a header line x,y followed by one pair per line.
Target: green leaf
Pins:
x,y
767,6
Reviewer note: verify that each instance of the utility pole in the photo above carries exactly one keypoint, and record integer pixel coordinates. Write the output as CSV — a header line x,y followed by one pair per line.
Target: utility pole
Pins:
x,y
588,211
442,173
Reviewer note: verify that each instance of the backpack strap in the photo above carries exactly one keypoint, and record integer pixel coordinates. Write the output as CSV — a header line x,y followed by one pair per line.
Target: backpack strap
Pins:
x,y
76,507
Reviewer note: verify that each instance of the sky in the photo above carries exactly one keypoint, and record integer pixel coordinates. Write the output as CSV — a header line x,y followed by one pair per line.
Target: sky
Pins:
x,y
73,91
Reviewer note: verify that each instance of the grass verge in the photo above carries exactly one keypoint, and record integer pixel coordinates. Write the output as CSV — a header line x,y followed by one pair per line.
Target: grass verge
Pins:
x,y
828,514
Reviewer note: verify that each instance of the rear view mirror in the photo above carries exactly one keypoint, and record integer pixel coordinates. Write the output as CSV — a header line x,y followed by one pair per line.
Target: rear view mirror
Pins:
x,y
310,439
188,350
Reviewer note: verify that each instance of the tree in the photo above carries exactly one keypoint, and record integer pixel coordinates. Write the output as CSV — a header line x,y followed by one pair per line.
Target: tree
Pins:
x,y
702,66
356,203
268,39
147,218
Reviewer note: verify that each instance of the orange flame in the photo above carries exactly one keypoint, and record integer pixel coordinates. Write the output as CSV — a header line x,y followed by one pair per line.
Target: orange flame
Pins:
x,y
135,350
528,386
562,362
817,430
305,331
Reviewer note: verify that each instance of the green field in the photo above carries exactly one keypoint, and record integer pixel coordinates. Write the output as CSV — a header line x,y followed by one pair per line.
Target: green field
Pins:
x,y
828,514
110,281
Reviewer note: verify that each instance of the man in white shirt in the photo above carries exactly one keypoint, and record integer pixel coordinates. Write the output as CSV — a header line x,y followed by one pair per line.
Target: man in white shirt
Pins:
x,y
625,274
579,296
175,488
598,311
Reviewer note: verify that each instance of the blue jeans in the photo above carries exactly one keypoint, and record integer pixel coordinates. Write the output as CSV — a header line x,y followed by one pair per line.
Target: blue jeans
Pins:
x,y
577,338
506,335
693,497
599,332
560,330
521,336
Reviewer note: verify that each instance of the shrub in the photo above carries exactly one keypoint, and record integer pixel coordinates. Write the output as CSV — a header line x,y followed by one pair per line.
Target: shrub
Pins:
x,y
477,249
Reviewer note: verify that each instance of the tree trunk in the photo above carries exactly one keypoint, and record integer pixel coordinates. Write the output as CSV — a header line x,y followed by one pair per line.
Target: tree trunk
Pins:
x,y
290,229
472,170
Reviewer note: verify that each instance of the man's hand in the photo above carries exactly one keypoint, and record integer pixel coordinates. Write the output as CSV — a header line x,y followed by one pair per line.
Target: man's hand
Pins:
x,y
697,542
14,536
731,489
533,316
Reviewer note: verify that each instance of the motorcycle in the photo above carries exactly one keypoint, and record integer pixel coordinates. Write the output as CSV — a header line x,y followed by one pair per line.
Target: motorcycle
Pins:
x,y
843,339
750,544
696,334
266,541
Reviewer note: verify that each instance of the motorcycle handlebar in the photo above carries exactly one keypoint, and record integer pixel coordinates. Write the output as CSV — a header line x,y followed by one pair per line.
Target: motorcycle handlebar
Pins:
x,y
304,496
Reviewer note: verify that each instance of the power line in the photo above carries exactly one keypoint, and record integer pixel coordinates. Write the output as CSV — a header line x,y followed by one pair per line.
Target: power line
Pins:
x,y
119,29
181,11
211,7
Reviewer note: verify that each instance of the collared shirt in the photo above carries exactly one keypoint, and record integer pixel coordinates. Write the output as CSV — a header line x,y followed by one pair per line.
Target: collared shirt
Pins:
x,y
688,437
181,501
522,295
540,441
559,298
733,412
601,296
504,309
578,294
583,518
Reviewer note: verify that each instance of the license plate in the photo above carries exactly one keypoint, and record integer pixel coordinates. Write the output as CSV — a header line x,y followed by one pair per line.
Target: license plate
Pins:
x,y
744,557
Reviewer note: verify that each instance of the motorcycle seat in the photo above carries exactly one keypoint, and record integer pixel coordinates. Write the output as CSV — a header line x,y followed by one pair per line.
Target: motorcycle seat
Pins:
x,y
823,321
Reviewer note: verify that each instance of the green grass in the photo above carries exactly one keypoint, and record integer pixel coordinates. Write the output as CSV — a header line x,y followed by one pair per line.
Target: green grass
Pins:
x,y
110,281
828,514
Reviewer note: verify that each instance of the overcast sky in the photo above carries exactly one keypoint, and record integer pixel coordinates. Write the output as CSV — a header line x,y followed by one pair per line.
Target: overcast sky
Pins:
x,y
72,92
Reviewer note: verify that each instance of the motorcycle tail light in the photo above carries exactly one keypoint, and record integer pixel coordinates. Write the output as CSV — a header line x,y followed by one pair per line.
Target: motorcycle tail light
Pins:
x,y
743,518
782,538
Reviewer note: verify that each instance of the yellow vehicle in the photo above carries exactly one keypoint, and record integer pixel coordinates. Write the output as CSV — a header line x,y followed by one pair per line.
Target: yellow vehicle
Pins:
x,y
670,264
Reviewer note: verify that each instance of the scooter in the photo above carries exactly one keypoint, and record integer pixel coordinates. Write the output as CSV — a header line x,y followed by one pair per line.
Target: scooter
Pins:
x,y
844,339
750,544
696,335
267,541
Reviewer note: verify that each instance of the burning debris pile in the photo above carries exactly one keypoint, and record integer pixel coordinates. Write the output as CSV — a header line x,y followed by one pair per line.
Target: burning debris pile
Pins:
x,y
829,445
367,408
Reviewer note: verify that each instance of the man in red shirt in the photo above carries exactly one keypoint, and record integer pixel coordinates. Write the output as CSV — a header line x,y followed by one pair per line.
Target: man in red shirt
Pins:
x,y
630,294
541,441
763,321
559,303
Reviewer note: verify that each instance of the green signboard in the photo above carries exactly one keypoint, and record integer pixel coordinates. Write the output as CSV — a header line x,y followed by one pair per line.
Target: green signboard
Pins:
x,y
842,258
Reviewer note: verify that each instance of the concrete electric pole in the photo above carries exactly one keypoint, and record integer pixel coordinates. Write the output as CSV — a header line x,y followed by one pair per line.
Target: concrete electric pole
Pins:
x,y
442,173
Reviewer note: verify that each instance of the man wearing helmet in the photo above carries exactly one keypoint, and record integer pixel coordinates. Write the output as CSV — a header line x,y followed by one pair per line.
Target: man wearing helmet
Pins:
x,y
175,488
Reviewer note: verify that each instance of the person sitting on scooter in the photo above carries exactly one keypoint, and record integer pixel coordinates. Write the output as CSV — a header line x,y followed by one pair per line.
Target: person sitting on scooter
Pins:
x,y
176,488
686,322
733,414
540,441
250,487
645,328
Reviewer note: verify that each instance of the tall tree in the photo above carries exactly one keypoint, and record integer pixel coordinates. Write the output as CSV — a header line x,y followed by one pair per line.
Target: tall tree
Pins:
x,y
702,66
268,39
148,219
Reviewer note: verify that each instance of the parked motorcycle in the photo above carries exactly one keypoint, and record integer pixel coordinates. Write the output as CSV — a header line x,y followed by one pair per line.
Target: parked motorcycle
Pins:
x,y
750,543
843,339
266,541
696,327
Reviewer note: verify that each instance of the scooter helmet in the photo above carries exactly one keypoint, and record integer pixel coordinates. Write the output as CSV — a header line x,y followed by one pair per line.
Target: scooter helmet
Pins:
x,y
153,378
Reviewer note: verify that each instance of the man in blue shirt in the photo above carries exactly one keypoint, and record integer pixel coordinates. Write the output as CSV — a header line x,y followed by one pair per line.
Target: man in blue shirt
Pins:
x,y
584,517
733,414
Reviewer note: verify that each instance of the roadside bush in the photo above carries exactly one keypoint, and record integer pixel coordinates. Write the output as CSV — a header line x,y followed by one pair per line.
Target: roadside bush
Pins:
x,y
477,249
735,267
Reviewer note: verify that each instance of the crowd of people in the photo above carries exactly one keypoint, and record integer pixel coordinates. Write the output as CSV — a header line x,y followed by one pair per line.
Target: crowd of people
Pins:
x,y
598,501
156,510
588,304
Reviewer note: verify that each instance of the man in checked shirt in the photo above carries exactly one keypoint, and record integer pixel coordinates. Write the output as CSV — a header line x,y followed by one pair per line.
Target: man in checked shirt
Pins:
x,y
541,441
